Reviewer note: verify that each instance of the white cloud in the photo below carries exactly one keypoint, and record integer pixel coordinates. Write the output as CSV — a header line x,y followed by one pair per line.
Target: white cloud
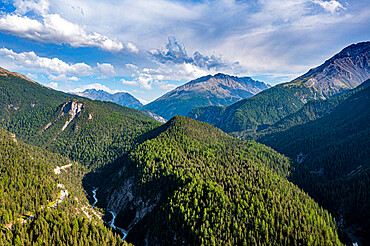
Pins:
x,y
40,7
129,82
54,29
56,69
53,85
106,69
32,76
54,65
95,86
62,77
331,6
147,77
22,26
132,47
265,36
144,102
131,66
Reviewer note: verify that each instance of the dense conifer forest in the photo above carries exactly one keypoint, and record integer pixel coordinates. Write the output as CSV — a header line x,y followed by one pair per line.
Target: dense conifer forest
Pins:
x,y
217,190
300,176
30,193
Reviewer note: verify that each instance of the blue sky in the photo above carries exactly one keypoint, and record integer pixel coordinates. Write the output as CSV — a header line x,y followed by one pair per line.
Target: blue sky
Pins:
x,y
149,47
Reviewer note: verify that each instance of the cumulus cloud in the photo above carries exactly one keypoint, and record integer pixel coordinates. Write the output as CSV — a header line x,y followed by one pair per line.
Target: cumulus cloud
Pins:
x,y
52,66
175,53
62,77
131,66
40,7
161,76
331,6
53,28
132,47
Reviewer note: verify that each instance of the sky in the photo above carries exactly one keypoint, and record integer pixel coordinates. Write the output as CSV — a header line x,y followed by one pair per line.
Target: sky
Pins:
x,y
148,48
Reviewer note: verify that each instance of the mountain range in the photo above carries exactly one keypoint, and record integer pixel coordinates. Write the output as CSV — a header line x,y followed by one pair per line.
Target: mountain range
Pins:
x,y
301,178
121,98
220,89
342,72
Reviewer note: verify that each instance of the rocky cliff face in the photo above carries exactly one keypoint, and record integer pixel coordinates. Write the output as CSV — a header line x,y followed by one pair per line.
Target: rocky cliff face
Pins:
x,y
72,108
220,89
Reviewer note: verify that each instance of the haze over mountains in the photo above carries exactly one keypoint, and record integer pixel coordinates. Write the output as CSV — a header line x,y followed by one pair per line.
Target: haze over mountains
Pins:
x,y
121,98
220,89
186,181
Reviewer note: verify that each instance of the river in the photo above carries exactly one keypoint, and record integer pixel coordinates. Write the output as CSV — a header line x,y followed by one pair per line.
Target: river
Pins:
x,y
94,196
111,223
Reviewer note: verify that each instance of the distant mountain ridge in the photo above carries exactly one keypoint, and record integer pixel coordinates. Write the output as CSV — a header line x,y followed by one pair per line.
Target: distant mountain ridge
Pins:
x,y
220,89
121,98
342,72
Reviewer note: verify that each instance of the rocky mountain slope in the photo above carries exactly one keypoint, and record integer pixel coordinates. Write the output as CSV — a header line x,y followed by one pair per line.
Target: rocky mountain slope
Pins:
x,y
344,71
220,89
121,98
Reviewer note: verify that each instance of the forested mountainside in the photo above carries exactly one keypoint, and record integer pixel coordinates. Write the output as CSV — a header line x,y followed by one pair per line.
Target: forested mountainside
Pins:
x,y
40,206
121,98
344,71
189,183
94,133
311,111
184,182
220,89
333,150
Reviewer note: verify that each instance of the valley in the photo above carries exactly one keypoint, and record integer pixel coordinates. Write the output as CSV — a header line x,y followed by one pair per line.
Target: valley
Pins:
x,y
282,165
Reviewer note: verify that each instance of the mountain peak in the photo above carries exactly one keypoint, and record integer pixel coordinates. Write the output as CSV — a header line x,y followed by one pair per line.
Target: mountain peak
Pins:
x,y
222,75
219,89
354,49
345,70
121,98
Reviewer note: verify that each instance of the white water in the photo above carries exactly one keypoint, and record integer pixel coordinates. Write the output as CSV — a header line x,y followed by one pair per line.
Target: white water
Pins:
x,y
94,196
111,224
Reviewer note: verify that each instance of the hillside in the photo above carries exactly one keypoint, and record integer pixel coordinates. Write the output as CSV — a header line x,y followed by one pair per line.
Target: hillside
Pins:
x,y
220,89
333,151
311,111
121,98
342,72
39,206
94,133
190,183
348,119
